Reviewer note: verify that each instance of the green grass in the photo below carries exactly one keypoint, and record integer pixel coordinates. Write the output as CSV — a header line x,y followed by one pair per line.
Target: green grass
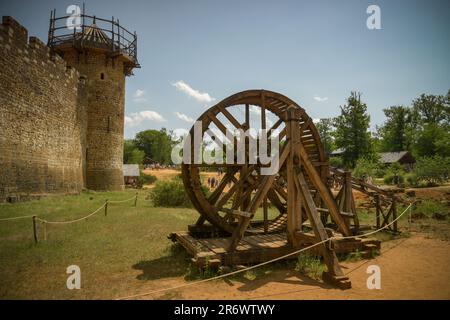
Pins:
x,y
117,253
310,265
123,252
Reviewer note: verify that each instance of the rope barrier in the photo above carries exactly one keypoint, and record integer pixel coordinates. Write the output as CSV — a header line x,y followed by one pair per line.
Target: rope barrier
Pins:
x,y
72,221
16,218
120,201
261,264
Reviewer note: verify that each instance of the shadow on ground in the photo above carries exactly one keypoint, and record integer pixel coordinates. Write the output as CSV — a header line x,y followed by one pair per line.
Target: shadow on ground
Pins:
x,y
279,276
174,264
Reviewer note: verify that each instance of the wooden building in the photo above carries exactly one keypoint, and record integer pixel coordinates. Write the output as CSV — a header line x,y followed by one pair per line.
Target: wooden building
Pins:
x,y
405,158
131,174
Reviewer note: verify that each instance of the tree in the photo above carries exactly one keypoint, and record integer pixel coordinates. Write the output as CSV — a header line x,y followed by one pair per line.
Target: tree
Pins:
x,y
352,133
131,154
157,145
433,109
325,129
431,123
395,133
433,170
433,140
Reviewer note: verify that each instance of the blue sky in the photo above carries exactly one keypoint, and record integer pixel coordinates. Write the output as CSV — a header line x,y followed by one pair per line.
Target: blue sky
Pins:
x,y
195,53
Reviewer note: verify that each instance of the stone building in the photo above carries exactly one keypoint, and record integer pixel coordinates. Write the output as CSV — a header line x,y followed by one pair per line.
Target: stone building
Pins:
x,y
62,107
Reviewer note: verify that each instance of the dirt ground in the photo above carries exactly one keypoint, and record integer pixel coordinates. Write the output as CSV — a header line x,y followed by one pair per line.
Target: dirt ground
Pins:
x,y
415,267
411,268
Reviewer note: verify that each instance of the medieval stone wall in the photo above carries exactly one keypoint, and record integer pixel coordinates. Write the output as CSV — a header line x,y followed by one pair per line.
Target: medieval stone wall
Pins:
x,y
43,118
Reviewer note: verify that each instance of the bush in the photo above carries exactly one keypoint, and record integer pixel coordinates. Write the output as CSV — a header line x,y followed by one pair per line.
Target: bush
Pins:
x,y
390,178
432,170
430,209
411,179
145,179
367,168
171,193
336,162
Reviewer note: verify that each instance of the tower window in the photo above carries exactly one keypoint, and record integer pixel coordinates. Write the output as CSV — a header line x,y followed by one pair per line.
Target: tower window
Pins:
x,y
102,76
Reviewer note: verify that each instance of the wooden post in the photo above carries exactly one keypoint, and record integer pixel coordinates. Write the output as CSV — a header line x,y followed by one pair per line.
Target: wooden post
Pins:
x,y
293,162
378,209
45,230
35,236
266,216
135,199
106,207
348,191
394,212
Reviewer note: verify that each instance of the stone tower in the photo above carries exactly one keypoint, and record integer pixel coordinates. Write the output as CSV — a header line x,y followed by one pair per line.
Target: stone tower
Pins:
x,y
104,53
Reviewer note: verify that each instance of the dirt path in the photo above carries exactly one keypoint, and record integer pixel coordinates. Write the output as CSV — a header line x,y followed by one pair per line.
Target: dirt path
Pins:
x,y
411,268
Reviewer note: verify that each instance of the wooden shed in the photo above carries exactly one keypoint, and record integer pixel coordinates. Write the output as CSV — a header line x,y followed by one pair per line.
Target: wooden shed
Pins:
x,y
404,158
131,173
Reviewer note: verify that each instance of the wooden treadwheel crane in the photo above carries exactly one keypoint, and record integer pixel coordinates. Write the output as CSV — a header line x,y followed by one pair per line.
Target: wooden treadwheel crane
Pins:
x,y
296,193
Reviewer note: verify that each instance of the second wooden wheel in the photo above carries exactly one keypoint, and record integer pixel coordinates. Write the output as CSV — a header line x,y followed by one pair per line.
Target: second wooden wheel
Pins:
x,y
254,110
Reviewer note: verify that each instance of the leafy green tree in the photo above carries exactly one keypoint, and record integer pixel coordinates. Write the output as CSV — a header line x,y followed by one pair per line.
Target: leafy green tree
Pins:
x,y
395,134
325,129
131,154
432,125
352,132
157,145
432,109
433,140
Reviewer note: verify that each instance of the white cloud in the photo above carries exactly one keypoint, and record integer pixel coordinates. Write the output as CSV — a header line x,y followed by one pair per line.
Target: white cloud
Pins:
x,y
179,133
137,118
139,93
320,99
255,109
183,117
139,96
316,120
197,95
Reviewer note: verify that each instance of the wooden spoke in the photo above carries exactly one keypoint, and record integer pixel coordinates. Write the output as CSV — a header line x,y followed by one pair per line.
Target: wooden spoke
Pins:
x,y
223,183
230,117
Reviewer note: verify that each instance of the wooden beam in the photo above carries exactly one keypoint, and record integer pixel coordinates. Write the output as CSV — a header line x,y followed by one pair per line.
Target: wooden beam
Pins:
x,y
324,191
319,231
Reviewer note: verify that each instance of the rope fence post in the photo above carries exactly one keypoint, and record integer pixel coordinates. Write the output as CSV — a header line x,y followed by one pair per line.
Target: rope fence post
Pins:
x,y
106,207
35,236
377,209
44,224
135,199
394,213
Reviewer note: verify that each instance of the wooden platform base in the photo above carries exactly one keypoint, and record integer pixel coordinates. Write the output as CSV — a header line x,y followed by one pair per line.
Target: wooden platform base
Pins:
x,y
257,248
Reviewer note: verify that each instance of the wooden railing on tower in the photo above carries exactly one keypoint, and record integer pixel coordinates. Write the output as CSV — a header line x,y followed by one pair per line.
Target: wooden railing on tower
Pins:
x,y
119,40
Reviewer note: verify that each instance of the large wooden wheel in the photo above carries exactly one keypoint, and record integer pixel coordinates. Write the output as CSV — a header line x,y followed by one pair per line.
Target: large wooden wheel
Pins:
x,y
238,185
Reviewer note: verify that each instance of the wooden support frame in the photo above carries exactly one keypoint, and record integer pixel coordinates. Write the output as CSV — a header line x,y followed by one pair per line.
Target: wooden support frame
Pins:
x,y
299,191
